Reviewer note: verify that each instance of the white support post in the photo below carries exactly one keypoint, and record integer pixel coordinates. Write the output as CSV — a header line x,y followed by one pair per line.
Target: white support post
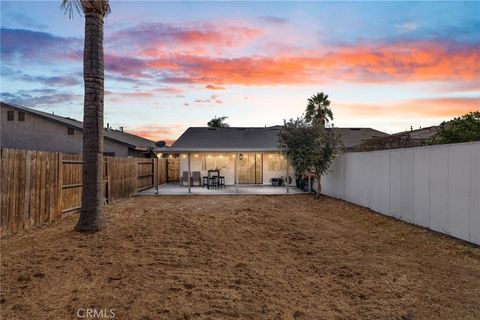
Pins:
x,y
288,178
189,176
156,163
237,162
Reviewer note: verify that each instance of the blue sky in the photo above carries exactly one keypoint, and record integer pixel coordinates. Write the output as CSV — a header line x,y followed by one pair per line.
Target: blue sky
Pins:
x,y
170,65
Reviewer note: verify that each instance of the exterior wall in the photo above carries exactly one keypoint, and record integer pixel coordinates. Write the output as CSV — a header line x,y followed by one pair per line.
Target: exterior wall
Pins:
x,y
36,133
196,165
268,174
119,149
437,187
229,174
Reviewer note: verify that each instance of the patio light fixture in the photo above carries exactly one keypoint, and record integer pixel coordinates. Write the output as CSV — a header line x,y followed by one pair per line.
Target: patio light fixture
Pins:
x,y
240,156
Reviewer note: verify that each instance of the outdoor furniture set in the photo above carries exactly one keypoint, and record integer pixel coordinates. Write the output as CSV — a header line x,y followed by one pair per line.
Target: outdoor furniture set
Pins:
x,y
213,180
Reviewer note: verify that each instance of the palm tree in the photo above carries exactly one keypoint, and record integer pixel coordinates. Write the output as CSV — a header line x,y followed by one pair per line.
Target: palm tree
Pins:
x,y
318,109
92,217
218,122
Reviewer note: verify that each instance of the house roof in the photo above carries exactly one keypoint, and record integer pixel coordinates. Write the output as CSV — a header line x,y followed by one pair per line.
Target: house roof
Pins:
x,y
420,134
122,137
261,139
355,136
227,139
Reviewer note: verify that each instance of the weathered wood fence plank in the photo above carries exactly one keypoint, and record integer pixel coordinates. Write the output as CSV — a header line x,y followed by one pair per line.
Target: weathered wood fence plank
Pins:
x,y
40,187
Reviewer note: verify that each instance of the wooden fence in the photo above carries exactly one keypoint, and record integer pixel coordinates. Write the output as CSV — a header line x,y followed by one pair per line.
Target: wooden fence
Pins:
x,y
39,187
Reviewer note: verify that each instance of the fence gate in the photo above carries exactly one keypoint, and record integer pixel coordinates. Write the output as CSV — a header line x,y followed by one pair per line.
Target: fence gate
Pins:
x,y
173,169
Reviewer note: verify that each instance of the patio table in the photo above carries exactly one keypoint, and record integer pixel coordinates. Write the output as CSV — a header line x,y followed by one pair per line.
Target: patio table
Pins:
x,y
211,177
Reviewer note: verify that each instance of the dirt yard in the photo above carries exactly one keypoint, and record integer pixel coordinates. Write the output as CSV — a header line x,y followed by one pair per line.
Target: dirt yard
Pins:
x,y
239,257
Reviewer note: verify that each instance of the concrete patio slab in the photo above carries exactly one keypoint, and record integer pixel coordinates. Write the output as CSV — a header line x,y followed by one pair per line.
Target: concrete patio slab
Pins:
x,y
175,189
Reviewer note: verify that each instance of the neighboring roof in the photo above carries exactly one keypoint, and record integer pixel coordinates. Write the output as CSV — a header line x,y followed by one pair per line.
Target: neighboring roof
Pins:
x,y
355,136
205,139
123,137
420,134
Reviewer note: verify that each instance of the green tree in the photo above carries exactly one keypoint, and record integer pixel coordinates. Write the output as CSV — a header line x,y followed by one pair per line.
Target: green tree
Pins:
x,y
309,147
461,129
218,122
92,217
318,109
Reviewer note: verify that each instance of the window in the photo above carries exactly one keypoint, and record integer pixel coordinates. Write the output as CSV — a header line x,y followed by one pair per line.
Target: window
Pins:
x,y
9,115
276,162
21,116
210,162
70,131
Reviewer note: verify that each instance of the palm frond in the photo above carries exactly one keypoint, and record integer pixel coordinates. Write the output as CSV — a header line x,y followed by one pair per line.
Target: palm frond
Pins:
x,y
71,6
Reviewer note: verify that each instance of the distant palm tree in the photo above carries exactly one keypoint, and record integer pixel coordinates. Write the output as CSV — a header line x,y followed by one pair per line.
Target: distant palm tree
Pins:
x,y
218,122
318,109
92,217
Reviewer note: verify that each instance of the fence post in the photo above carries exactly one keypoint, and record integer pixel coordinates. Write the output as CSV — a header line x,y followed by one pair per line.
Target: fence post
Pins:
x,y
26,208
59,184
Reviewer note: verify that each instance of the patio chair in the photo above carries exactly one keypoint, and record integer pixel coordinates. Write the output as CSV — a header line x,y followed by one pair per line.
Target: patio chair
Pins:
x,y
184,178
196,177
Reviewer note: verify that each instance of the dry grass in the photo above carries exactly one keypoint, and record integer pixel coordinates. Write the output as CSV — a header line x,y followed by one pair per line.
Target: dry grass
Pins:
x,y
247,257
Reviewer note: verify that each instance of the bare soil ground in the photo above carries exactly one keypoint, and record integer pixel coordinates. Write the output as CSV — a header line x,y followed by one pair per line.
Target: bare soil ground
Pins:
x,y
240,257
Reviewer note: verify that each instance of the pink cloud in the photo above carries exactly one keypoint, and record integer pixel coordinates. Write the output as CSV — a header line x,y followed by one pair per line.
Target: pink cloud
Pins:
x,y
212,87
168,133
432,107
409,61
156,39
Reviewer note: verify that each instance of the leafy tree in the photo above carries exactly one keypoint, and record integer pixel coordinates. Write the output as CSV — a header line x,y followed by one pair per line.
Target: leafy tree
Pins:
x,y
309,147
318,109
461,129
92,217
218,122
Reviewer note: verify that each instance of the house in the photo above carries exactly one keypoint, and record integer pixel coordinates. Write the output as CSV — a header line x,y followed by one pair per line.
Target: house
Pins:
x,y
26,128
244,155
422,135
404,139
352,137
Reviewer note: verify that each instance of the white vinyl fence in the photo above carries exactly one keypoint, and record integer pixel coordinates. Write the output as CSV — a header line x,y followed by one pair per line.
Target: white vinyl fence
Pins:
x,y
437,187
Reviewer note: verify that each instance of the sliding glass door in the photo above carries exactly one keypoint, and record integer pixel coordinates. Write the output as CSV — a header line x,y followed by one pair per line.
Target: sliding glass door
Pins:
x,y
250,168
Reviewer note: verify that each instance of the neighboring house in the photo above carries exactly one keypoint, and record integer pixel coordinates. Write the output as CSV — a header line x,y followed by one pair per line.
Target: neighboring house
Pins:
x,y
243,154
352,137
420,136
404,139
26,128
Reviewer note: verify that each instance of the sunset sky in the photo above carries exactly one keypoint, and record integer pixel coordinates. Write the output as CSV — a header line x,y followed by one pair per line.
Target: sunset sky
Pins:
x,y
171,65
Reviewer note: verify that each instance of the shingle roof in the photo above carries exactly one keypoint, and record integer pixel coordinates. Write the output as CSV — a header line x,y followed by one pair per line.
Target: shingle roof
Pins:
x,y
355,136
252,138
421,134
119,136
228,139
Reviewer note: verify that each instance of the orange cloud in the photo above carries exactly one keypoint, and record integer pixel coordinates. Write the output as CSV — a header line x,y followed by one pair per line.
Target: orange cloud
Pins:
x,y
154,132
434,107
212,87
414,61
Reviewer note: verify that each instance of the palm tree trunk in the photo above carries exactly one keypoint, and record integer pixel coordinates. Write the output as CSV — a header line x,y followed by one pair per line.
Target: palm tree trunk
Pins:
x,y
92,217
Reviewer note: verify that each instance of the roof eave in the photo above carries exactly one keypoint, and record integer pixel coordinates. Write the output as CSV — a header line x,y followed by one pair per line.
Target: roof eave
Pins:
x,y
213,150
